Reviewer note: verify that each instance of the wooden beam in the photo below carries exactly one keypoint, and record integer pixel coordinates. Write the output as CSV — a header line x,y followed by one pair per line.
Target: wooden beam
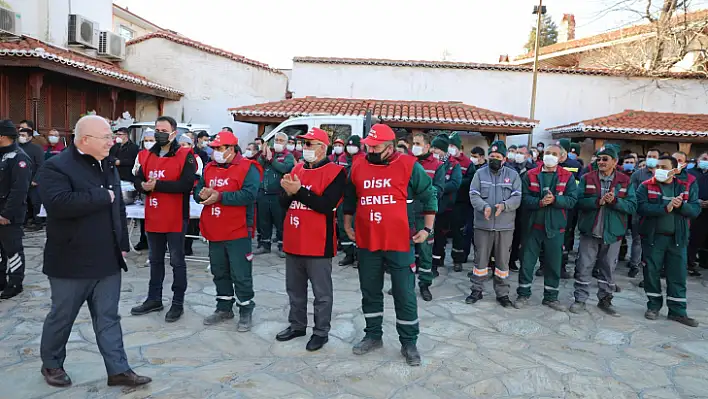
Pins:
x,y
36,81
160,106
261,129
685,148
114,102
599,143
501,137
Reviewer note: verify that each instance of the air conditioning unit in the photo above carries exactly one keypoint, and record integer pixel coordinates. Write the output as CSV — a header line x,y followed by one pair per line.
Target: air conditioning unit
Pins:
x,y
83,31
10,22
111,45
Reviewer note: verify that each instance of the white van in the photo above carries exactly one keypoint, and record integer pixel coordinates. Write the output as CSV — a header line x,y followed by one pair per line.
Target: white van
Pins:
x,y
137,129
338,126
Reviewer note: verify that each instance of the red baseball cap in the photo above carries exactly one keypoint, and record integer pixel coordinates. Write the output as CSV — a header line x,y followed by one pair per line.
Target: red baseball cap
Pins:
x,y
224,138
378,134
340,141
316,134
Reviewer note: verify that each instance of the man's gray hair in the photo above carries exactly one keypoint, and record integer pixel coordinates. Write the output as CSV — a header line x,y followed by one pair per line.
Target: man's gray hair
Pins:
x,y
559,147
282,135
80,124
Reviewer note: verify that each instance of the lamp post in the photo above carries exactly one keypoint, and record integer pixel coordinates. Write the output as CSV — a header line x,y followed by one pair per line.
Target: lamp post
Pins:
x,y
539,10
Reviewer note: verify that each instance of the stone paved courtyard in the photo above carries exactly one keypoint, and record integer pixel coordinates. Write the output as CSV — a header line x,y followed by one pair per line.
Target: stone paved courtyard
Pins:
x,y
469,351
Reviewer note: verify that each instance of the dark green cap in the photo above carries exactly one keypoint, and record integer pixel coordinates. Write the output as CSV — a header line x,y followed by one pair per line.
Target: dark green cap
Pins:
x,y
575,147
564,143
499,147
441,142
608,150
354,140
455,140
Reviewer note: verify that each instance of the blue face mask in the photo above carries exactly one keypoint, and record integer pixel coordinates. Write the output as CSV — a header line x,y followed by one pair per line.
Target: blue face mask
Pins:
x,y
652,162
691,165
703,164
572,156
628,167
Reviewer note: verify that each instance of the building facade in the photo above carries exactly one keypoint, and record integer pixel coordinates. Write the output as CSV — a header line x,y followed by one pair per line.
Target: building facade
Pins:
x,y
131,26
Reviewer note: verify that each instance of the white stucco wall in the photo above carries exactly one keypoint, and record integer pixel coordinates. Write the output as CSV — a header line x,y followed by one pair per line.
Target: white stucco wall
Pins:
x,y
48,20
562,98
211,83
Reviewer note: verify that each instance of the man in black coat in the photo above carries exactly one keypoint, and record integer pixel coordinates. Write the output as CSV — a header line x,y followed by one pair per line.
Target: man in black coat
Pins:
x,y
36,155
87,238
124,152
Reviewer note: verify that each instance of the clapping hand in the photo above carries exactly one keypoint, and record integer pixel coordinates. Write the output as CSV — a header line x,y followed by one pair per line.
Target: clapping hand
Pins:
x,y
677,202
205,193
268,152
487,213
291,184
548,199
609,197
211,198
149,185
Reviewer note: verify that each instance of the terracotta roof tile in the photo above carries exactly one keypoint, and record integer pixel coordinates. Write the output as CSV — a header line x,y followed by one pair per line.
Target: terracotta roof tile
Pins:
x,y
31,47
485,67
642,122
203,47
387,111
613,35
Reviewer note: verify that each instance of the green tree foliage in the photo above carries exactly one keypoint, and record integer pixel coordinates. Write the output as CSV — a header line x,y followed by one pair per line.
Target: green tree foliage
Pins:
x,y
549,34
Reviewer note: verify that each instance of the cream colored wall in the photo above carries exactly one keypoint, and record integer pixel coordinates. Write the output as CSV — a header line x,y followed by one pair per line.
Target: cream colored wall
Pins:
x,y
137,30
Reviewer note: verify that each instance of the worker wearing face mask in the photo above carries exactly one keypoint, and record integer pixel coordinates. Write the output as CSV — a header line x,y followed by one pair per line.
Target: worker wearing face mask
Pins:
x,y
478,157
293,148
549,192
380,189
462,224
682,173
666,204
147,144
352,154
55,144
575,153
251,154
124,151
276,163
227,187
444,220
33,221
699,228
338,157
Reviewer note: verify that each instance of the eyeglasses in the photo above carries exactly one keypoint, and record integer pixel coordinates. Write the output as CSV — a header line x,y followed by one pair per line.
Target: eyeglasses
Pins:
x,y
604,159
311,144
102,138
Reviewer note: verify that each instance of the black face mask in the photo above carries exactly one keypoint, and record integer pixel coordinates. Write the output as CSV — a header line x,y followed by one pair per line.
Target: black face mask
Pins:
x,y
162,138
495,165
376,158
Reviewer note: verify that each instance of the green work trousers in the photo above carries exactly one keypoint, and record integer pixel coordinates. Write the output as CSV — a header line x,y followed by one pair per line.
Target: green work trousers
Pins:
x,y
348,246
424,256
232,270
663,252
270,214
552,254
371,279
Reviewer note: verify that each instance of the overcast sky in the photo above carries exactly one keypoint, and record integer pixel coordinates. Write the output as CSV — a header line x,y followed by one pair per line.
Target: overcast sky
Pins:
x,y
274,31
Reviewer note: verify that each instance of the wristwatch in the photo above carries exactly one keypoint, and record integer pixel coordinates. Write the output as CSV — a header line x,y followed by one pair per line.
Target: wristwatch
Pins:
x,y
427,230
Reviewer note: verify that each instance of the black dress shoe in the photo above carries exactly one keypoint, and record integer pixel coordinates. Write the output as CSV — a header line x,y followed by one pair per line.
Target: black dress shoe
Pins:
x,y
425,293
175,312
56,377
128,379
289,333
316,343
147,307
141,246
11,291
348,260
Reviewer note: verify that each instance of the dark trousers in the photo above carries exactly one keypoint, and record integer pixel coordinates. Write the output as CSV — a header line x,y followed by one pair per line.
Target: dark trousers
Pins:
x,y
318,271
158,243
192,230
461,240
12,265
68,296
469,233
143,236
232,268
34,204
270,214
443,221
569,240
699,238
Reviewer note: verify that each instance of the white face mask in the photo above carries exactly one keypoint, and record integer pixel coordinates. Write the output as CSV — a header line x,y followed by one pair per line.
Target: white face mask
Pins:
x,y
417,150
219,157
475,161
290,147
278,147
298,147
519,158
436,155
309,155
148,144
248,154
338,149
53,139
681,166
661,175
550,160
452,151
23,139
352,149
119,140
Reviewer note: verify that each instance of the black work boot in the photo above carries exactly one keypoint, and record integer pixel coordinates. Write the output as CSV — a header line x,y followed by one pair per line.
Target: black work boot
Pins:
x,y
348,260
539,272
685,320
565,274
175,312
457,267
425,293
410,352
633,271
367,345
11,291
505,301
513,266
218,317
473,297
605,305
147,307
245,320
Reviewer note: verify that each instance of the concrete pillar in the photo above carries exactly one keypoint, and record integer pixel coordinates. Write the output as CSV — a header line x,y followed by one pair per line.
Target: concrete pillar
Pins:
x,y
685,147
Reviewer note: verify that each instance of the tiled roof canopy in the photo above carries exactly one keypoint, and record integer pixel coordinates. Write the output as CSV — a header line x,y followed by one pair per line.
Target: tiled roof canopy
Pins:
x,y
660,124
203,47
482,67
33,48
414,112
611,36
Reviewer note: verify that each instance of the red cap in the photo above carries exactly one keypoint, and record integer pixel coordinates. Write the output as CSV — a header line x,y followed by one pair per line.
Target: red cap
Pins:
x,y
316,134
340,141
224,138
378,134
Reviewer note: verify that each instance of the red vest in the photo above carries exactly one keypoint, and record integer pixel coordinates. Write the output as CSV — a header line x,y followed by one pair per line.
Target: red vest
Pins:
x,y
221,222
563,177
464,162
340,159
430,164
654,190
304,227
594,187
382,213
163,211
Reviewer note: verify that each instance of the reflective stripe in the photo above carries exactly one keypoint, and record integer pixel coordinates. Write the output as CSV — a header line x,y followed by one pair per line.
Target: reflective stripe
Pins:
x,y
546,287
437,257
417,256
653,295
480,272
420,269
346,243
534,184
409,201
501,273
515,193
653,192
245,303
429,171
525,285
670,298
623,190
16,265
562,184
457,250
475,192
371,315
667,198
486,182
582,282
463,168
14,257
605,282
591,186
406,322
225,298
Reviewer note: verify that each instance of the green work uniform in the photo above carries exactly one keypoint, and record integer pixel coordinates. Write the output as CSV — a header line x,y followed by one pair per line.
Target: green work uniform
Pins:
x,y
545,231
270,213
445,218
462,216
665,239
231,260
424,250
348,245
371,266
